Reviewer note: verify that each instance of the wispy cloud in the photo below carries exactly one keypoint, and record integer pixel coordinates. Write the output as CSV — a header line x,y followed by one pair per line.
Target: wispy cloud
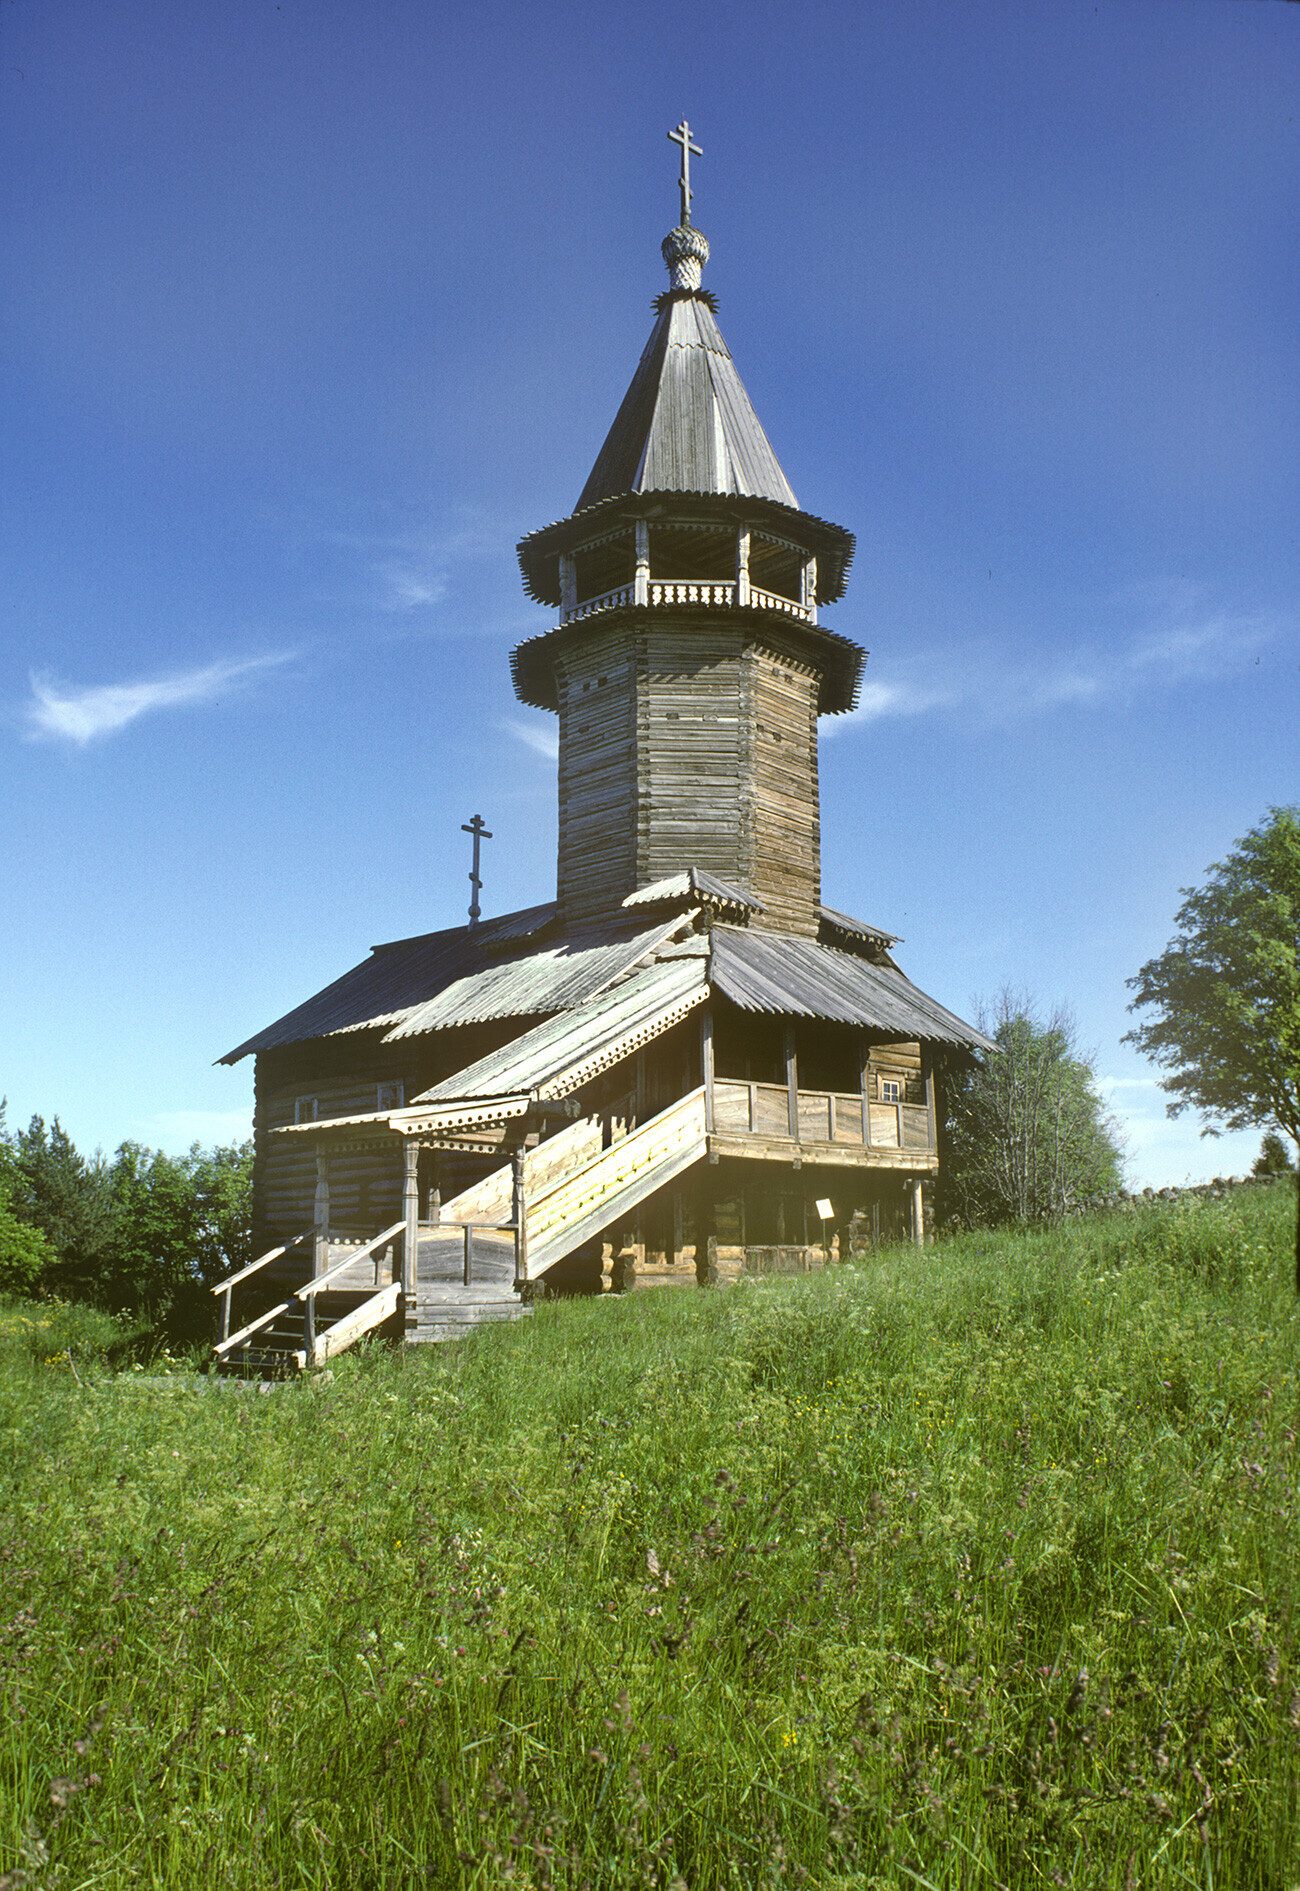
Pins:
x,y
59,713
399,568
1187,647
542,737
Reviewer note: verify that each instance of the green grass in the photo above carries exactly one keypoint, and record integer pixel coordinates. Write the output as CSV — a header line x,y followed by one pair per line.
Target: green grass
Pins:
x,y
964,1568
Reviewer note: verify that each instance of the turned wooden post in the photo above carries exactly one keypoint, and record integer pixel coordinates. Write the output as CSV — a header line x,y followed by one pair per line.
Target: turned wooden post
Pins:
x,y
519,1214
792,1082
706,1066
809,588
411,1216
918,1212
742,568
321,1250
641,582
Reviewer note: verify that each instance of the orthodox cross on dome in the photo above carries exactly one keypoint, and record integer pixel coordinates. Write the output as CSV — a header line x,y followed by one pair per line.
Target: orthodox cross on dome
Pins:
x,y
479,829
682,136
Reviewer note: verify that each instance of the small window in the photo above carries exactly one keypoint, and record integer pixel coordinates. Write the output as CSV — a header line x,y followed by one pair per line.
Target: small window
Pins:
x,y
305,1110
891,1091
389,1097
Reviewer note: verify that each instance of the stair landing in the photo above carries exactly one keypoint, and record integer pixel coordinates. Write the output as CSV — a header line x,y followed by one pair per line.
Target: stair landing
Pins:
x,y
445,1308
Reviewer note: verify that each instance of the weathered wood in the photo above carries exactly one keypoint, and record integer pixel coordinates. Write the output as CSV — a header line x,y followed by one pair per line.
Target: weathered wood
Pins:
x,y
355,1325
331,1273
706,1064
254,1326
519,1213
322,1205
410,1214
263,1260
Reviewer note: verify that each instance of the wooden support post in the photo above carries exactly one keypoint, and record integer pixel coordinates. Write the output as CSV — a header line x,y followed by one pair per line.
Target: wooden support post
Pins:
x,y
792,1082
411,1216
706,1065
864,1079
568,585
810,588
742,567
309,1330
469,1254
918,1212
930,1101
225,1318
322,1244
435,1194
519,1214
641,582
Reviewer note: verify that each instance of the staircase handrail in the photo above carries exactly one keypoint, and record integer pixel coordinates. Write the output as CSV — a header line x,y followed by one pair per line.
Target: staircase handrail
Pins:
x,y
272,1254
357,1254
236,1339
679,1106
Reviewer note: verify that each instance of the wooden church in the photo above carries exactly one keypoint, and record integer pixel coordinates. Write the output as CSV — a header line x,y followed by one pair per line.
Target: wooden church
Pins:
x,y
686,1065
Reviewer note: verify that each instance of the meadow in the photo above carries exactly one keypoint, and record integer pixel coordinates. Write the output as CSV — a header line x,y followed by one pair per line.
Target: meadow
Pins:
x,y
970,1567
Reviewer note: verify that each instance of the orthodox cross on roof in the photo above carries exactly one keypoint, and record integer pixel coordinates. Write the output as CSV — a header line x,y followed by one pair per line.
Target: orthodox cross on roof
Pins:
x,y
682,136
478,828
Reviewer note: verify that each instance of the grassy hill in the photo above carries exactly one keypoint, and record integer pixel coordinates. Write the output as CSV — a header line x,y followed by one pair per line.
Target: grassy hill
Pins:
x,y
963,1568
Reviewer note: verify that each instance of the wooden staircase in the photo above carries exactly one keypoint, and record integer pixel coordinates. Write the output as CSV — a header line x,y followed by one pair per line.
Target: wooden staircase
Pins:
x,y
307,1325
472,1267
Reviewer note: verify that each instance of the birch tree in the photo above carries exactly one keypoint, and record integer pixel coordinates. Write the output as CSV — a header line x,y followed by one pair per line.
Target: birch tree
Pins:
x,y
1028,1137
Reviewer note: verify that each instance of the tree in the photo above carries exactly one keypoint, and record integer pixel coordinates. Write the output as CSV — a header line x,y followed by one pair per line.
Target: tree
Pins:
x,y
58,1191
25,1254
1226,990
1272,1159
179,1224
1027,1135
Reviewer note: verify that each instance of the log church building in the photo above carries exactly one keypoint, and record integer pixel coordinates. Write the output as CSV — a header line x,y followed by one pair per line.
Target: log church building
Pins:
x,y
686,1064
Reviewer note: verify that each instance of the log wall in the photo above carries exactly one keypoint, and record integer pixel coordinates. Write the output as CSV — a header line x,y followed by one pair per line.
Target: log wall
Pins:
x,y
687,742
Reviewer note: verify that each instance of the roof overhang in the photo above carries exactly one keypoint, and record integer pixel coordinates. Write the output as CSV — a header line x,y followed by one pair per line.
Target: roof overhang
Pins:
x,y
836,660
539,552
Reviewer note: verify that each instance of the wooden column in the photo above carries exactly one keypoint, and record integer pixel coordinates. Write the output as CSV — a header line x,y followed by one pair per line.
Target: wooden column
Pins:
x,y
706,1065
411,1216
792,1082
864,1076
568,585
322,1209
519,1214
918,1213
930,1099
810,588
641,582
742,566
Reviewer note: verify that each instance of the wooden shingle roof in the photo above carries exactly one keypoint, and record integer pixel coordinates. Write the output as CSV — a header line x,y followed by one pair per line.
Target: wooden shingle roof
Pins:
x,y
686,423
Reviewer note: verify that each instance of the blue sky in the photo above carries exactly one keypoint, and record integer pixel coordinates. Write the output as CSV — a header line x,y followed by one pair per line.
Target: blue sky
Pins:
x,y
312,310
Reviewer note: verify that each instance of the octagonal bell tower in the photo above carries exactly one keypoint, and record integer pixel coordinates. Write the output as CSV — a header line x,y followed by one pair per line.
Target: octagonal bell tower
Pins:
x,y
689,666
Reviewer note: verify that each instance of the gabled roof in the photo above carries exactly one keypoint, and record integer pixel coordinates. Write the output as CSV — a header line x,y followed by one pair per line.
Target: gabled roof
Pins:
x,y
522,966
464,976
693,886
558,1057
686,423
